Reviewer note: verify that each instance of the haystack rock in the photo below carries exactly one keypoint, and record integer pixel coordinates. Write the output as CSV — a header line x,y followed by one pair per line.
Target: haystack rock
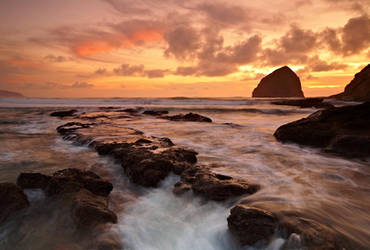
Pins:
x,y
283,82
358,89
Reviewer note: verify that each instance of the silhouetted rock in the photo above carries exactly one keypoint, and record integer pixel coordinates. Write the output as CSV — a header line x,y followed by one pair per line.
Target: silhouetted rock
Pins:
x,y
343,130
305,103
283,82
10,94
64,113
358,89
251,225
155,112
190,117
84,190
12,200
213,186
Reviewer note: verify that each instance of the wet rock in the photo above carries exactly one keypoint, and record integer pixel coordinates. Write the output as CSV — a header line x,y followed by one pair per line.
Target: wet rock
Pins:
x,y
251,225
71,127
84,189
189,117
214,186
181,188
12,200
305,103
344,130
89,209
283,82
358,89
155,112
64,113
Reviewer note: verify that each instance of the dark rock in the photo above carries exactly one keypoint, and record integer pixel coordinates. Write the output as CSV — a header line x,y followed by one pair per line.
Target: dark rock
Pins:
x,y
12,200
90,210
344,130
251,225
283,82
71,127
181,188
190,117
33,180
155,112
358,89
305,103
215,186
64,113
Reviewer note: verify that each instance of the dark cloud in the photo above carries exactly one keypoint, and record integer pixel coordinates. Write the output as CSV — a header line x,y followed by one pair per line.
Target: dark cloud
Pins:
x,y
298,40
57,59
183,42
139,70
100,71
155,73
224,13
356,35
82,85
315,64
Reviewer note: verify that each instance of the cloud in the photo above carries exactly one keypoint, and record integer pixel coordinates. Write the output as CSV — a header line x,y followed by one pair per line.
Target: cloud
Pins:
x,y
82,85
224,13
183,42
155,73
356,35
100,71
57,59
139,70
315,64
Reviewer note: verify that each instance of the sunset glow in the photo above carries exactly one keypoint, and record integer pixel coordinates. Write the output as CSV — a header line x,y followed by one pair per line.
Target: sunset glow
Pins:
x,y
153,48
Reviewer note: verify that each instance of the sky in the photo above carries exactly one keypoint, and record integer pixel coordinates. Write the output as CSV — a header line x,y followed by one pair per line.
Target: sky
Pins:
x,y
166,48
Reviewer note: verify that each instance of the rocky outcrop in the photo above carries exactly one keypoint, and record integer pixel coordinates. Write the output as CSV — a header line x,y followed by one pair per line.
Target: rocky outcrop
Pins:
x,y
189,117
84,190
254,225
212,186
283,82
343,130
12,200
305,103
63,113
358,89
10,94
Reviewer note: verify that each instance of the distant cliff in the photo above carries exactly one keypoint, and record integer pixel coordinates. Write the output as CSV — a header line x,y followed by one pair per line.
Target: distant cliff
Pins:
x,y
283,82
9,94
358,89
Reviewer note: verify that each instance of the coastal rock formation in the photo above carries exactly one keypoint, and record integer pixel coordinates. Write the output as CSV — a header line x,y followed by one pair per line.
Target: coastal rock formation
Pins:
x,y
343,130
155,112
189,117
12,200
283,82
10,94
212,186
145,160
358,89
85,190
251,225
305,103
63,113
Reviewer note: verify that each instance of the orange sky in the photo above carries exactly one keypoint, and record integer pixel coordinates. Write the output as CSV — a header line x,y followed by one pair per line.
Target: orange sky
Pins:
x,y
160,48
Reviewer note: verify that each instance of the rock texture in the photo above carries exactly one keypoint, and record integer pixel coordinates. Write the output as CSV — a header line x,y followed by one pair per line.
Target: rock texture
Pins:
x,y
12,200
189,117
358,89
251,225
85,190
305,103
283,82
213,186
343,130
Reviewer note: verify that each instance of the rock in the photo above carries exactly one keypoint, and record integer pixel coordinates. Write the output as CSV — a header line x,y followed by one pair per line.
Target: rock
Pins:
x,y
283,82
214,186
190,117
305,103
71,126
155,112
89,209
33,180
12,200
181,188
251,225
343,130
358,89
64,113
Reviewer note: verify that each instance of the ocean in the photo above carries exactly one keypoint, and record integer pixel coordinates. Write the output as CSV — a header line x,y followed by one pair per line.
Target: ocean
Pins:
x,y
330,189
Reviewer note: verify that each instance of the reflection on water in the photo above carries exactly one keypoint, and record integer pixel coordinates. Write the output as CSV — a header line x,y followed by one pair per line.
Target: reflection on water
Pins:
x,y
332,190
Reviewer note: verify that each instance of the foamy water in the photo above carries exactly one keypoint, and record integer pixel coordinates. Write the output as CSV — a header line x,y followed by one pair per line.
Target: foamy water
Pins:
x,y
330,189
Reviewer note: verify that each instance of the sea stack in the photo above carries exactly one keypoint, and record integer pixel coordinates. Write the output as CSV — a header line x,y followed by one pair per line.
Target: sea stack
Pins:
x,y
283,82
358,89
